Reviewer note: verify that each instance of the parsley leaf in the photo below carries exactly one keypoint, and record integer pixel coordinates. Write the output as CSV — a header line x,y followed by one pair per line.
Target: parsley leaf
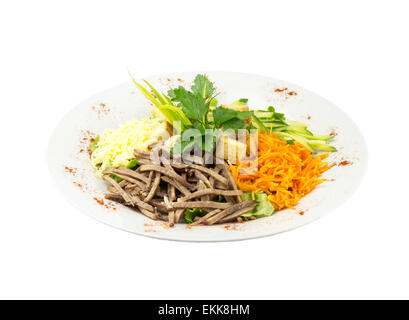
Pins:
x,y
202,86
213,102
222,115
235,124
230,119
193,105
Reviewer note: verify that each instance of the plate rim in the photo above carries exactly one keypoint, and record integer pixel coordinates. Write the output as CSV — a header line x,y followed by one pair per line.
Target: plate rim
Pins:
x,y
241,237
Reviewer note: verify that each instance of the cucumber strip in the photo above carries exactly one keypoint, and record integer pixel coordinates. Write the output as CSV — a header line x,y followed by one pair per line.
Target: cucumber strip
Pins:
x,y
173,113
263,114
278,129
240,102
259,124
274,125
317,137
145,92
322,146
168,100
157,94
297,124
301,140
300,130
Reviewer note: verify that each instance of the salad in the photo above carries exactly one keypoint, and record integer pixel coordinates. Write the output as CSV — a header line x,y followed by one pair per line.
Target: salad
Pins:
x,y
200,162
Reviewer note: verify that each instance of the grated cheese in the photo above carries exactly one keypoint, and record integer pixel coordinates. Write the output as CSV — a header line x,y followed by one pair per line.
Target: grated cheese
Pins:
x,y
116,146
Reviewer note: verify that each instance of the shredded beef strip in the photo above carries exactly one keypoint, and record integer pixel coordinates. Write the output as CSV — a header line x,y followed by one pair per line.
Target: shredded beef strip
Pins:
x,y
129,179
171,218
170,174
136,184
192,180
231,183
172,197
215,192
115,197
211,179
150,179
235,215
202,186
160,193
149,214
123,183
177,185
210,172
169,167
199,204
126,172
137,192
230,210
207,216
179,166
139,187
112,190
140,203
139,154
203,178
221,186
178,214
144,161
155,185
125,195
161,207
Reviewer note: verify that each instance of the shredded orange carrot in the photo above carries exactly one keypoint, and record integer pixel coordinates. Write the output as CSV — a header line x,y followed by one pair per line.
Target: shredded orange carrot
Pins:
x,y
285,172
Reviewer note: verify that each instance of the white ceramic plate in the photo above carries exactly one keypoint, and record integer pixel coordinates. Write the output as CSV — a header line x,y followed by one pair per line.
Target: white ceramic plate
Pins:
x,y
70,165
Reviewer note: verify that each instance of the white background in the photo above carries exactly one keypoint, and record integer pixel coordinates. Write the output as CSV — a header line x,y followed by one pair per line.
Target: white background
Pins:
x,y
56,53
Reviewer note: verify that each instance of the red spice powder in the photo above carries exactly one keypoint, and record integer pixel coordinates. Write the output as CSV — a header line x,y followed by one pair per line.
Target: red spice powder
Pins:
x,y
86,138
101,109
104,203
87,150
180,80
309,117
99,201
301,213
231,227
286,92
73,171
345,163
333,133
